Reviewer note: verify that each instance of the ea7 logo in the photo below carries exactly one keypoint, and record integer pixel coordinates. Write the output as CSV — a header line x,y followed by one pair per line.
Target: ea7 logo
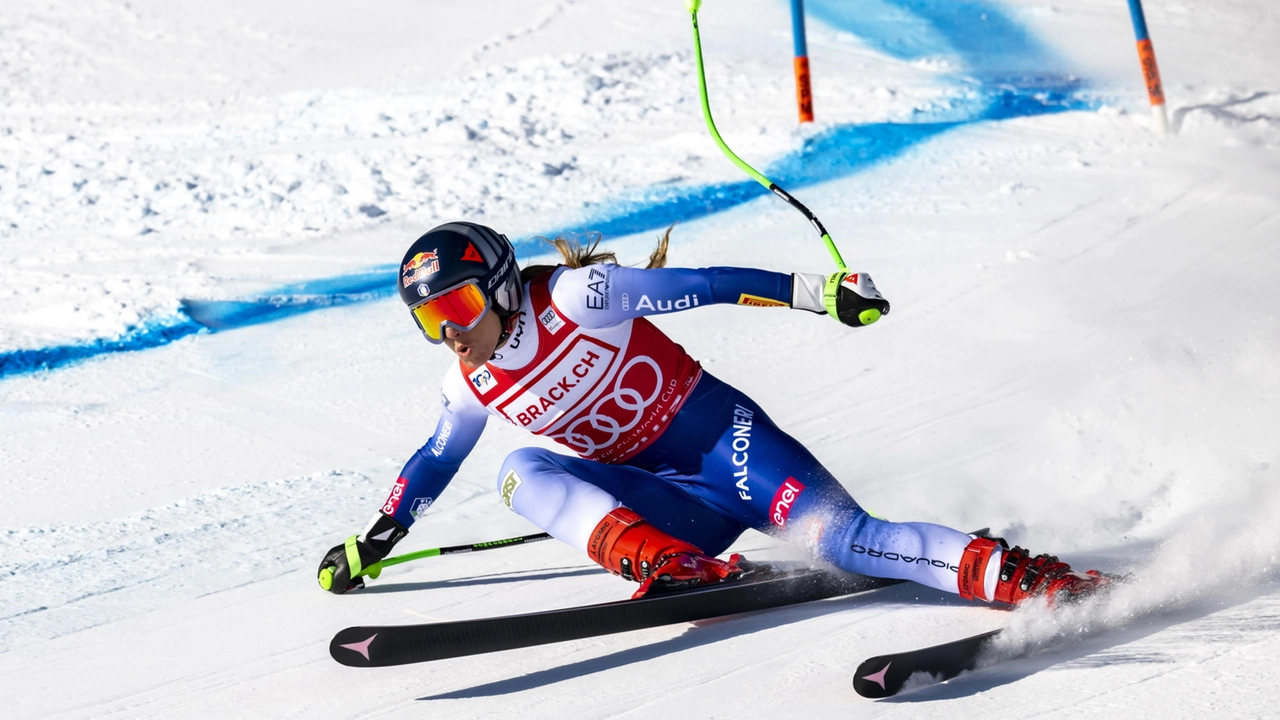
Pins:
x,y
598,289
786,496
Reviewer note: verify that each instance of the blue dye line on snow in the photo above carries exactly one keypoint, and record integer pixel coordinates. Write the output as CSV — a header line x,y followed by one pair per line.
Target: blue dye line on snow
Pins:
x,y
290,300
836,153
143,337
197,316
975,36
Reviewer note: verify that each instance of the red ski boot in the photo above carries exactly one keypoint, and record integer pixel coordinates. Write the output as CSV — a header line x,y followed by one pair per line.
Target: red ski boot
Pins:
x,y
624,544
1023,576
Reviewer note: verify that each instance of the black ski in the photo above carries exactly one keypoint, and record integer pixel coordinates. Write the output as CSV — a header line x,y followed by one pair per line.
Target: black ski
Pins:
x,y
885,675
760,589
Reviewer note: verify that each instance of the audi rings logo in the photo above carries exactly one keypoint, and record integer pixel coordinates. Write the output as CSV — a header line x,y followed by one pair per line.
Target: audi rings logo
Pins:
x,y
601,426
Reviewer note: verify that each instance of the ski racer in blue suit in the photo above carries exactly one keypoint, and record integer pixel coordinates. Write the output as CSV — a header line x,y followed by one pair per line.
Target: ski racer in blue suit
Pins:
x,y
670,464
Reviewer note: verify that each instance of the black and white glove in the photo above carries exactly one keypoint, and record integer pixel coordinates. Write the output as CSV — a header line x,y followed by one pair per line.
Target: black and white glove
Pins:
x,y
345,566
851,298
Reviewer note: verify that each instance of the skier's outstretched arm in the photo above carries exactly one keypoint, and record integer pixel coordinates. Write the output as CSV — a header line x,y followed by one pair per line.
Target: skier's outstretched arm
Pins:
x,y
420,483
607,294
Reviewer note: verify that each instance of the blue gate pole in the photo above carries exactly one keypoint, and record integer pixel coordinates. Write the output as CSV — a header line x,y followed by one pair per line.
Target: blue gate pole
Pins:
x,y
1150,72
804,94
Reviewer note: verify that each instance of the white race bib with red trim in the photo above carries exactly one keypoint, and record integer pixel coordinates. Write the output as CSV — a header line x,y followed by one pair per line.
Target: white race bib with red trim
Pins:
x,y
605,393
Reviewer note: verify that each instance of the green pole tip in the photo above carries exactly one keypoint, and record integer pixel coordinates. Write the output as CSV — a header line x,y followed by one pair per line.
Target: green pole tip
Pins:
x,y
866,317
693,5
326,578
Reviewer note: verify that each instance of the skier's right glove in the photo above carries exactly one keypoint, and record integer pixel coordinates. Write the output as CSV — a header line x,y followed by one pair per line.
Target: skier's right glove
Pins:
x,y
345,566
851,298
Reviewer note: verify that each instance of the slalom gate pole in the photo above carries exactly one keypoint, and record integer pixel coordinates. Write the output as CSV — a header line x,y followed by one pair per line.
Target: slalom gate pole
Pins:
x,y
694,6
377,567
804,93
1150,72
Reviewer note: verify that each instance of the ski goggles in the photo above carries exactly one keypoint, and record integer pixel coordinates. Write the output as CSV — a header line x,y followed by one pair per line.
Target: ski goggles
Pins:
x,y
461,308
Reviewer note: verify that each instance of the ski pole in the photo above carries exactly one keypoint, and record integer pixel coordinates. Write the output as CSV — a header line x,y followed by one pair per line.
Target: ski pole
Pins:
x,y
376,568
694,6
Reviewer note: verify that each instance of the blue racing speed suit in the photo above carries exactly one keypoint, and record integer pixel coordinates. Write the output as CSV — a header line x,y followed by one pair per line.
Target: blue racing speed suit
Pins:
x,y
652,431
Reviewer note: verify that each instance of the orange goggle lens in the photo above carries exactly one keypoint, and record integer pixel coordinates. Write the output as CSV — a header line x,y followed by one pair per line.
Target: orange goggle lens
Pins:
x,y
463,307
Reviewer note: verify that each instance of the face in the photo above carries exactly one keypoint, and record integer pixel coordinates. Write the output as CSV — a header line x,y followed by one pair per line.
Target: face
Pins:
x,y
476,346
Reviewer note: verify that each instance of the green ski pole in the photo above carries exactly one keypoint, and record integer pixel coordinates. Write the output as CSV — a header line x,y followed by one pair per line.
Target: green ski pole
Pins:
x,y
376,568
694,6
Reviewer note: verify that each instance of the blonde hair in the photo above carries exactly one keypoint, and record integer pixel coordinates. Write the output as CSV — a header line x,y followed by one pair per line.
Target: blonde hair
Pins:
x,y
577,253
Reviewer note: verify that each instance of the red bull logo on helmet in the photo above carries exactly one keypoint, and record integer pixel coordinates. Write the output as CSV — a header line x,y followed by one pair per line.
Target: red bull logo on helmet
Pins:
x,y
421,259
419,267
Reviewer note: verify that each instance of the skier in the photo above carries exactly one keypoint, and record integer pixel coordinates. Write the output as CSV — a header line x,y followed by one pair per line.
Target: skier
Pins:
x,y
673,464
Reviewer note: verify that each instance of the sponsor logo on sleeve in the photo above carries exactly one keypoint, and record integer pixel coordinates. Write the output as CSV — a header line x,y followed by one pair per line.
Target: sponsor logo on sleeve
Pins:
x,y
510,483
597,289
780,508
393,500
419,507
684,303
757,301
551,320
442,439
482,380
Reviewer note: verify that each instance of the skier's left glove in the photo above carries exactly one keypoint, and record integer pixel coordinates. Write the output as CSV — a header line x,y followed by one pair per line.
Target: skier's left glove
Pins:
x,y
851,298
345,566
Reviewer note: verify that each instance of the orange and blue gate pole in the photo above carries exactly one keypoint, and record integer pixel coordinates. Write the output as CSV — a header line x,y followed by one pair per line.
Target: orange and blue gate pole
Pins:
x,y
1150,72
804,94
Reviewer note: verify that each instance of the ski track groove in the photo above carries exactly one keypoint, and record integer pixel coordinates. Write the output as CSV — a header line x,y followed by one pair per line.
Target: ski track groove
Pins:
x,y
1173,670
190,690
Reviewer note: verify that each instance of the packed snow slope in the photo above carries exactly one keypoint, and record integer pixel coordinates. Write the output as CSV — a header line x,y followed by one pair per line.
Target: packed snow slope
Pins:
x,y
205,384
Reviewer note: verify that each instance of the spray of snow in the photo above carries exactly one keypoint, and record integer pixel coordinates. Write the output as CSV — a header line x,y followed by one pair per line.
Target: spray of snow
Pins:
x,y
1228,552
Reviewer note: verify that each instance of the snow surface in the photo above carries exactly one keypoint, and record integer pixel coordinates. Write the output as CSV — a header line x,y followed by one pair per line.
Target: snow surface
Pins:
x,y
1082,351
